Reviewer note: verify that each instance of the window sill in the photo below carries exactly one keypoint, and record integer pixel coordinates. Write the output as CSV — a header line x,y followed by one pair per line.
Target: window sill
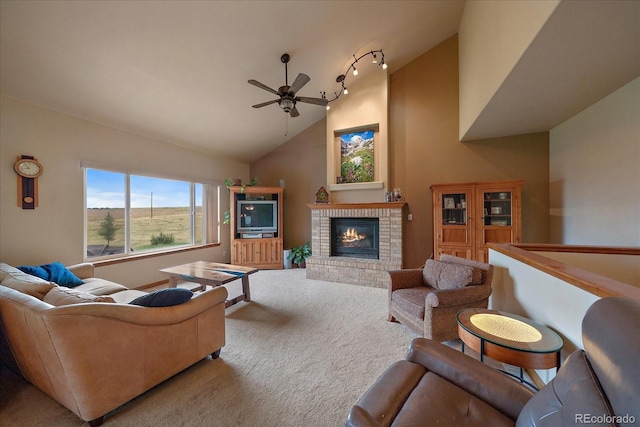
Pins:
x,y
112,261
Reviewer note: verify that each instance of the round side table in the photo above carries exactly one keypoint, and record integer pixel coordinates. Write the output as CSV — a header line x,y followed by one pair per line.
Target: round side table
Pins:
x,y
509,338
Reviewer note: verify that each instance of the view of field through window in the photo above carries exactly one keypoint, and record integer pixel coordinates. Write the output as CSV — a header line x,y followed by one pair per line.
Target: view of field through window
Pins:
x,y
159,214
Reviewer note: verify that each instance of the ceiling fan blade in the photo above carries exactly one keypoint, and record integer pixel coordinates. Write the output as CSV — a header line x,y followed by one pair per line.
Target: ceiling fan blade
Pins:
x,y
294,112
316,101
300,81
265,103
262,86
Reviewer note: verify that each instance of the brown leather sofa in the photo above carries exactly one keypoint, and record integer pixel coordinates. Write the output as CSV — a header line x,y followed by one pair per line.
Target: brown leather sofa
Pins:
x,y
92,357
439,386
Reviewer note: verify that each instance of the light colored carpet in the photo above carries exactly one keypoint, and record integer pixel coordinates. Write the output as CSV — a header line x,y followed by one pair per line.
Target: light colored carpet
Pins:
x,y
300,354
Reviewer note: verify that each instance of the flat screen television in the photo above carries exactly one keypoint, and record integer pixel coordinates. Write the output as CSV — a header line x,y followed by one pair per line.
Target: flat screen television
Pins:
x,y
257,216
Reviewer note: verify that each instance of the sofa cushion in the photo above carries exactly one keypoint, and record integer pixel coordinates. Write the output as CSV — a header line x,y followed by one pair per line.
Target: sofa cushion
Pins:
x,y
61,295
125,297
164,298
411,300
484,268
54,272
98,286
445,275
31,285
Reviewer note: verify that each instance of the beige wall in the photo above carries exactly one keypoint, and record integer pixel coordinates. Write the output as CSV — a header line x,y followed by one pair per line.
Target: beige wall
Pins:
x,y
595,173
366,104
55,230
487,56
423,150
301,163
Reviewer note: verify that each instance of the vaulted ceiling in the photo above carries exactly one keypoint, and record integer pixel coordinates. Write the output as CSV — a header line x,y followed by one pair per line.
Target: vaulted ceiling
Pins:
x,y
177,71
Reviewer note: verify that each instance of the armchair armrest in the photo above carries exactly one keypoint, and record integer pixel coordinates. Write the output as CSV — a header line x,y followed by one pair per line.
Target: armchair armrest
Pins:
x,y
83,270
458,296
482,381
408,278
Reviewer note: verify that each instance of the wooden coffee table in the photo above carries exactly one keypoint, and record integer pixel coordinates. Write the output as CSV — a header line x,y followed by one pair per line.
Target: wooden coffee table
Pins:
x,y
509,338
212,274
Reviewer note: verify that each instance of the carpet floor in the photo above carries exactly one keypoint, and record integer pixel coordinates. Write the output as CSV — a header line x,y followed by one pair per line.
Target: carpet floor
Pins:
x,y
300,354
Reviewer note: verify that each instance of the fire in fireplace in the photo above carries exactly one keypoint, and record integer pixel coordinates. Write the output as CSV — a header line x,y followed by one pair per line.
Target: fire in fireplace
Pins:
x,y
355,237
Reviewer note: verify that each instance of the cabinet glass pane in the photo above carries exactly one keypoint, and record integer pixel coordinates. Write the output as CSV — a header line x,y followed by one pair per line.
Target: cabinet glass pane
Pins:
x,y
454,209
498,208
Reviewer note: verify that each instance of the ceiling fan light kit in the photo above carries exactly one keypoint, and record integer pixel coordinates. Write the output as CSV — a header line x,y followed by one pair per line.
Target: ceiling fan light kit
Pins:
x,y
287,94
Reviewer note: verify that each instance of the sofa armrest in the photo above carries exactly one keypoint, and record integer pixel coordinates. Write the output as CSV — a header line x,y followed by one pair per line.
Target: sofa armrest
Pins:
x,y
408,278
83,270
458,296
478,379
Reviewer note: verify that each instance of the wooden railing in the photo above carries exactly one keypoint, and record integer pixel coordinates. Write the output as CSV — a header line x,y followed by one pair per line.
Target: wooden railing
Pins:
x,y
591,282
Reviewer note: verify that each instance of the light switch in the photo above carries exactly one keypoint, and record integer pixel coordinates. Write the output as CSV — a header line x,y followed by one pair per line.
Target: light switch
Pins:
x,y
410,217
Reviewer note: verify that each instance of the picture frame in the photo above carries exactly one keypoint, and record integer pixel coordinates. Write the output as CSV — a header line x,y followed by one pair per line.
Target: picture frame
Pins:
x,y
448,203
357,148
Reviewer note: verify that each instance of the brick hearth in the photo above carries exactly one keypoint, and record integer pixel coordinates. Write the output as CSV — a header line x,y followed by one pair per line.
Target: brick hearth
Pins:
x,y
358,271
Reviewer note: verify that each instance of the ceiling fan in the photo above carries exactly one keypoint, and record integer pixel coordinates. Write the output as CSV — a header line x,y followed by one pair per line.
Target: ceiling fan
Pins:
x,y
287,94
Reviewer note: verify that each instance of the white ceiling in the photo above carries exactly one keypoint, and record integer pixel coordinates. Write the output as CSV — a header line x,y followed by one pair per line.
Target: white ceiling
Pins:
x,y
178,70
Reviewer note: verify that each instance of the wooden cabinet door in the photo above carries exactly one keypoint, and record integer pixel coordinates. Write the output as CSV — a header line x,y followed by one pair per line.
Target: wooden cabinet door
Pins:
x,y
453,221
258,252
499,217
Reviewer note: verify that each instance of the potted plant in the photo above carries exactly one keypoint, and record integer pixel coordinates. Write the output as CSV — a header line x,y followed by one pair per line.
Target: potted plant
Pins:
x,y
299,254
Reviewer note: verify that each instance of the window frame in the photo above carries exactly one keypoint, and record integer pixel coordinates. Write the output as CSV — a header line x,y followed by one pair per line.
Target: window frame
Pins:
x,y
210,202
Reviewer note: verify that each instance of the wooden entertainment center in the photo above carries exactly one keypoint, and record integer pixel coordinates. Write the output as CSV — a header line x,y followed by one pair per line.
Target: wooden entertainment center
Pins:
x,y
256,240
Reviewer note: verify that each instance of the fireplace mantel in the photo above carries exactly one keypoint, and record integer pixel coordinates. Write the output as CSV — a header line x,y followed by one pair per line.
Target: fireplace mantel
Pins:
x,y
376,205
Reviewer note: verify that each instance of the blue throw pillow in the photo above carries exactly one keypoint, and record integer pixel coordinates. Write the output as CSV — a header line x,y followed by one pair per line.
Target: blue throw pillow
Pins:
x,y
54,272
164,298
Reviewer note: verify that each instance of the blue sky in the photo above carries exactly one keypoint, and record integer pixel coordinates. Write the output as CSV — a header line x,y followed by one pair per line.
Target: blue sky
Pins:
x,y
348,137
106,190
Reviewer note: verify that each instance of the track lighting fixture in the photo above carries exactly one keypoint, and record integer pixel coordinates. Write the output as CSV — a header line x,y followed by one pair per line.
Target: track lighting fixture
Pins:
x,y
341,78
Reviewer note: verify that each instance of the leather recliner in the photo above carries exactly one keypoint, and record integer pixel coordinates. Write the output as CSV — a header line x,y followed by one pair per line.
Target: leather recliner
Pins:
x,y
437,385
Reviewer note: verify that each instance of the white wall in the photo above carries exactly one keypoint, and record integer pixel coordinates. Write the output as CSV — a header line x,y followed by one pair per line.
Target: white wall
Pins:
x,y
54,231
524,290
594,173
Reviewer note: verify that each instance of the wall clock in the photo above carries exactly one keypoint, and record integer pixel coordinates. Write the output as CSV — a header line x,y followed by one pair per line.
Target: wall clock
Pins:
x,y
28,169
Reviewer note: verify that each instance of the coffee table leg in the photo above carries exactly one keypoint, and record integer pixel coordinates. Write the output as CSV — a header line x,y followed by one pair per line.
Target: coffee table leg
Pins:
x,y
173,281
245,288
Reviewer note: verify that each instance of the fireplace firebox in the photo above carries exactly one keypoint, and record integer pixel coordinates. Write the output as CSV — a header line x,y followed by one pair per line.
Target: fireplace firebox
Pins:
x,y
355,237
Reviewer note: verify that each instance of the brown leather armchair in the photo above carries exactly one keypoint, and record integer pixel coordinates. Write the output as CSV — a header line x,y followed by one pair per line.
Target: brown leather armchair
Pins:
x,y
431,312
437,385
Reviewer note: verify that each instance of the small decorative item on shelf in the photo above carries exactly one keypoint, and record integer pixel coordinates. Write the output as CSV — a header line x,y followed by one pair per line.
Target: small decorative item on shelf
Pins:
x,y
322,195
449,203
502,196
393,196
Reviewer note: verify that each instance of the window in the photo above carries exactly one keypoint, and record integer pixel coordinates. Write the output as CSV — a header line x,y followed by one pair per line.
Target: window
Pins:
x,y
131,214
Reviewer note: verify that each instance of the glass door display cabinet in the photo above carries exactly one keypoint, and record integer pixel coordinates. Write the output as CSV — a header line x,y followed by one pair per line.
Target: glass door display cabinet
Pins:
x,y
469,216
454,232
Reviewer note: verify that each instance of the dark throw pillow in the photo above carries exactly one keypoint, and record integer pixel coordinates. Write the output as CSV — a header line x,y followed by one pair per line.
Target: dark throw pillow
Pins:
x,y
54,272
164,298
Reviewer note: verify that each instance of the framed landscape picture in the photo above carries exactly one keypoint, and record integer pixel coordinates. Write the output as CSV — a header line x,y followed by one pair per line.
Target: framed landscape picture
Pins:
x,y
356,156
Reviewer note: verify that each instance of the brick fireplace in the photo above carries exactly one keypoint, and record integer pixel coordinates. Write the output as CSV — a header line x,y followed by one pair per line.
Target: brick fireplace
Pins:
x,y
353,268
